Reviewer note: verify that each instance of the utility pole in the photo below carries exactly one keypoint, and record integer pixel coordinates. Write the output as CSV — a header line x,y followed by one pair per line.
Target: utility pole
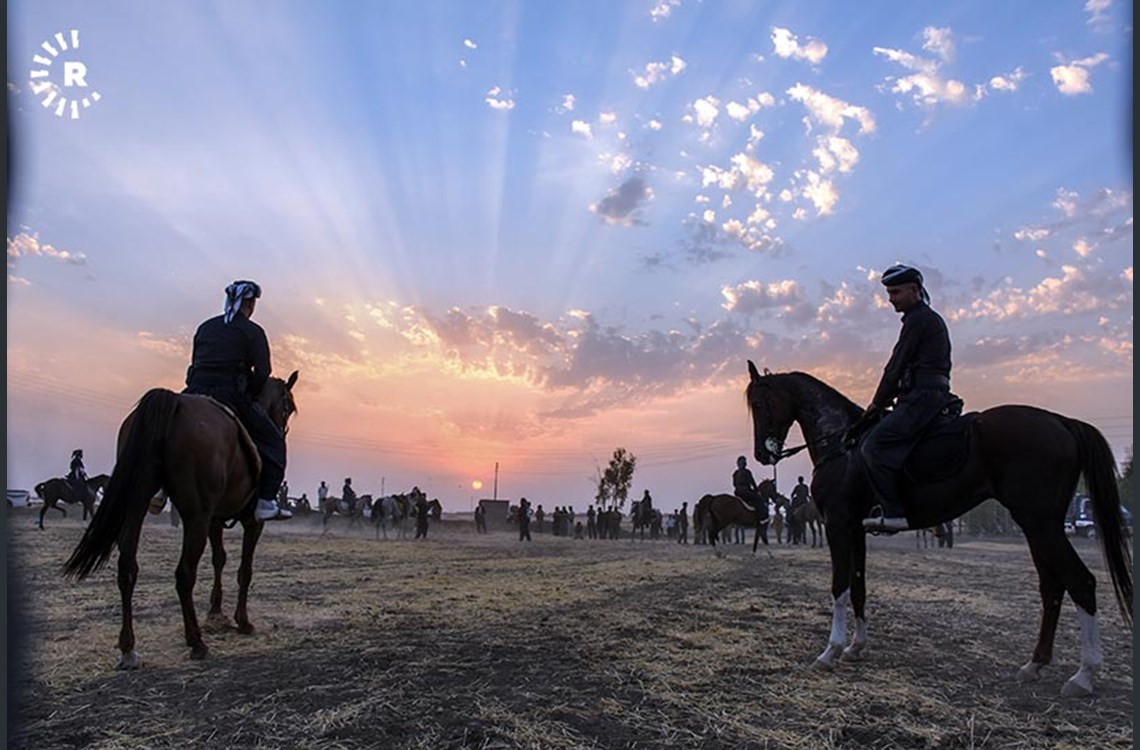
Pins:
x,y
495,495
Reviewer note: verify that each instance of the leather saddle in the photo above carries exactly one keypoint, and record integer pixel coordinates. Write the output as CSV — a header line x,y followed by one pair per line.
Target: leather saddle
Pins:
x,y
942,451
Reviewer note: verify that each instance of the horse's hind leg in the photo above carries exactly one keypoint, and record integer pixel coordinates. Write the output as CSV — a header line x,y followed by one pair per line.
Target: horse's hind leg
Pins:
x,y
128,576
194,534
218,558
1059,568
252,532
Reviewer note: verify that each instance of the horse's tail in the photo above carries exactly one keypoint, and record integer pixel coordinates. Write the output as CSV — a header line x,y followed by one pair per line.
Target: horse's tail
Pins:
x,y
136,478
1099,468
700,515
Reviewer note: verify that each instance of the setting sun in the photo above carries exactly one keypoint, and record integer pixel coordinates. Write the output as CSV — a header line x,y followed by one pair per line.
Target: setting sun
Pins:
x,y
477,484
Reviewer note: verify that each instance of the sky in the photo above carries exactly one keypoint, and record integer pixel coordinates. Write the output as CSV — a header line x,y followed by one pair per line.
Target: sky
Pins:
x,y
524,234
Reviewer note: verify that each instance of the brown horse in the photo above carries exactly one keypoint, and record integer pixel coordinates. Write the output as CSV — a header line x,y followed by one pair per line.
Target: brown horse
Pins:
x,y
58,489
197,453
714,512
1028,459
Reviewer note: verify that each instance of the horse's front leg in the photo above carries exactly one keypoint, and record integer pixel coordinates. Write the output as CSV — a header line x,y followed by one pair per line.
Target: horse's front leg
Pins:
x,y
854,651
841,565
218,558
252,532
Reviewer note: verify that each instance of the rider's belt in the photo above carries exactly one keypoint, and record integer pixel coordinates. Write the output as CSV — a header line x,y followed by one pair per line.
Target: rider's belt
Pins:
x,y
928,379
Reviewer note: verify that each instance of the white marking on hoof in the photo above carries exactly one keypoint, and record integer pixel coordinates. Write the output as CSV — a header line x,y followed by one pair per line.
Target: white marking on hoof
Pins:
x,y
1079,685
1030,672
826,660
130,660
854,652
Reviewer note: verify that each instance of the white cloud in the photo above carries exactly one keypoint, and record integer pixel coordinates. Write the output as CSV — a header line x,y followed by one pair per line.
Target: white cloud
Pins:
x,y
1073,79
25,245
495,101
607,118
821,193
663,9
1082,248
470,44
833,152
1009,81
753,297
787,46
655,72
926,85
707,110
654,125
829,111
568,102
581,127
1098,13
939,41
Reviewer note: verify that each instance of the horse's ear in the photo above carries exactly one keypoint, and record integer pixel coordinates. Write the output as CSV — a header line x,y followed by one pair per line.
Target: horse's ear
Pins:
x,y
291,381
752,371
767,371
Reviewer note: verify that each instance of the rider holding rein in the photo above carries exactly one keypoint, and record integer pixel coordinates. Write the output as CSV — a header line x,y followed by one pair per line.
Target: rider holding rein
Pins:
x,y
916,380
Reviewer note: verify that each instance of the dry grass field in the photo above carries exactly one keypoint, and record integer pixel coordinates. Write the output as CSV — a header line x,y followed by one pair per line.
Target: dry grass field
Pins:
x,y
478,641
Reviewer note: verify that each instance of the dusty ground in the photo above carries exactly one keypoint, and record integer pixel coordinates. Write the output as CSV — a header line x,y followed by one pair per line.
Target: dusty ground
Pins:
x,y
478,641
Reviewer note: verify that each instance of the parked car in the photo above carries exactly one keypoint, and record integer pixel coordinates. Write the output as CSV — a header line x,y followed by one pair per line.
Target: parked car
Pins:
x,y
1079,520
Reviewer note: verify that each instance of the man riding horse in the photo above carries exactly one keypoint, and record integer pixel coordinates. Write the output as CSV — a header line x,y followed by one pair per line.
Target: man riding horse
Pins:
x,y
744,487
917,380
77,476
231,364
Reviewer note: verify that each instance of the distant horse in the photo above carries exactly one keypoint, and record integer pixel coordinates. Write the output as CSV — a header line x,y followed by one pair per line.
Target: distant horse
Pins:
x,y
58,489
943,533
391,512
807,516
714,512
1028,459
204,460
644,518
354,510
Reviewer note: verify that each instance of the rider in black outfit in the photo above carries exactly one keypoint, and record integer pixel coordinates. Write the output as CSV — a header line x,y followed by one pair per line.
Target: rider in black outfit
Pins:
x,y
917,380
230,363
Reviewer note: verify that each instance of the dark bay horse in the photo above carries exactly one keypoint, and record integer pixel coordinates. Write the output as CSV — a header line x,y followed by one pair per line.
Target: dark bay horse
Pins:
x,y
713,513
194,451
1027,458
58,489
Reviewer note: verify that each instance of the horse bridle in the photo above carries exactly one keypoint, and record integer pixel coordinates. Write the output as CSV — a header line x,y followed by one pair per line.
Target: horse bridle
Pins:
x,y
780,453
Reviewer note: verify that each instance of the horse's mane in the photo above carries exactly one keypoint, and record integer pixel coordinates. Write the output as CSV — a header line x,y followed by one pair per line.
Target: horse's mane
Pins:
x,y
799,379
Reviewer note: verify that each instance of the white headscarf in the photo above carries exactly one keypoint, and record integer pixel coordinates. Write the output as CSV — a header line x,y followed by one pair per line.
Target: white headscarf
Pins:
x,y
236,293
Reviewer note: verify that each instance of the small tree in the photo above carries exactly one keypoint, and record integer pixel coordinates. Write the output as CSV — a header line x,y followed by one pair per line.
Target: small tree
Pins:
x,y
614,482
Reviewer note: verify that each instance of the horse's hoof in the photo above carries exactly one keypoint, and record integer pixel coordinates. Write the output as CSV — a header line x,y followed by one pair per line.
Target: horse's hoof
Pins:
x,y
1078,686
197,653
852,653
823,665
1030,672
245,628
130,660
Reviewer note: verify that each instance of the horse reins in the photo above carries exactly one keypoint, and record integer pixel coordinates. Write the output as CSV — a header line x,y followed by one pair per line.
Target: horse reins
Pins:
x,y
786,452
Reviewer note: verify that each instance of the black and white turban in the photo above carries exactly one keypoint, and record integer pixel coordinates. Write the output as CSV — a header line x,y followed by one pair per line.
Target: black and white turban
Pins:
x,y
236,293
898,274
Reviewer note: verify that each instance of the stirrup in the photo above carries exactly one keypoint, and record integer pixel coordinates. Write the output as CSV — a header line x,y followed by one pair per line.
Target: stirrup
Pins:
x,y
880,523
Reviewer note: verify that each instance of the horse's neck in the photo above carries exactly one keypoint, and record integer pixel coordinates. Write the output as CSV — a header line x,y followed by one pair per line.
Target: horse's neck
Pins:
x,y
822,413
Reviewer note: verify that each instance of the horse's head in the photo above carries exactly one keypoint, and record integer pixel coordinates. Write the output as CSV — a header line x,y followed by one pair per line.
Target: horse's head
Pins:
x,y
773,412
277,399
766,489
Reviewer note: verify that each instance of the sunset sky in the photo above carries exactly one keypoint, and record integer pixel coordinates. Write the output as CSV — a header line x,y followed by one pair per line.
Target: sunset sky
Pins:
x,y
531,232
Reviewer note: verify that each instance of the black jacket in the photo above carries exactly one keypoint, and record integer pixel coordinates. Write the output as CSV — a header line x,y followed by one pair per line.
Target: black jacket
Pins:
x,y
923,349
234,355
